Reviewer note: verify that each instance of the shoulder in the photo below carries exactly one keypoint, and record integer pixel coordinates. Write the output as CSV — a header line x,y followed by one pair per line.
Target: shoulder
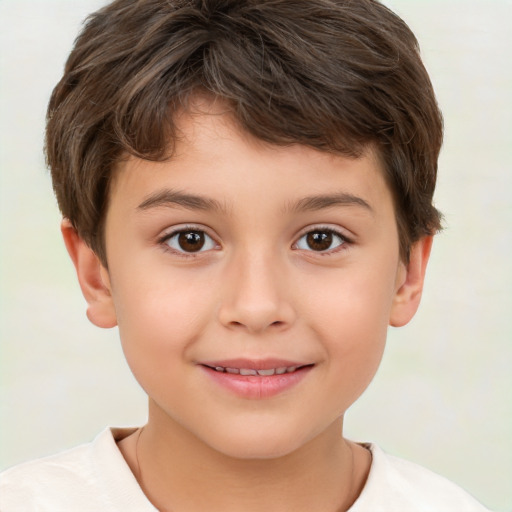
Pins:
x,y
396,484
47,481
87,477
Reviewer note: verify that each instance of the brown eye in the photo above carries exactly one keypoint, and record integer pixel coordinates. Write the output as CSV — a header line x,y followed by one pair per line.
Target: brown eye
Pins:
x,y
190,241
320,240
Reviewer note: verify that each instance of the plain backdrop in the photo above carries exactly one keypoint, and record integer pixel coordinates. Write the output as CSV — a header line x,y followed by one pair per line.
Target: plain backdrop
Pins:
x,y
442,396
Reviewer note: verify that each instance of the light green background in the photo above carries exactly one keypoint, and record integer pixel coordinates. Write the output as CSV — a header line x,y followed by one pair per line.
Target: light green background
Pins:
x,y
443,394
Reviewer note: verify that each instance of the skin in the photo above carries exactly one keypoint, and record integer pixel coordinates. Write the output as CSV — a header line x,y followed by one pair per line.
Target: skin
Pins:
x,y
256,290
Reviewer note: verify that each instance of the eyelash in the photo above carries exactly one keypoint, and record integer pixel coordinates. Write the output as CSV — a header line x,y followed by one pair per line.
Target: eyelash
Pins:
x,y
344,241
165,239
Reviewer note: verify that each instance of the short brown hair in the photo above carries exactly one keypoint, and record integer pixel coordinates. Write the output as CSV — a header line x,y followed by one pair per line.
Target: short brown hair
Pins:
x,y
336,75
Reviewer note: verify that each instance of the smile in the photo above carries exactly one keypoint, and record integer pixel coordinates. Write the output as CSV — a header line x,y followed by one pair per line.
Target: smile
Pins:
x,y
256,380
250,371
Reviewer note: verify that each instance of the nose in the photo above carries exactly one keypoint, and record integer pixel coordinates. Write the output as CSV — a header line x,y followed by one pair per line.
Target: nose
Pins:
x,y
255,295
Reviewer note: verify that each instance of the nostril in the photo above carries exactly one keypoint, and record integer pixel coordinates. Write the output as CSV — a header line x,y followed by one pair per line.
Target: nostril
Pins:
x,y
255,317
278,324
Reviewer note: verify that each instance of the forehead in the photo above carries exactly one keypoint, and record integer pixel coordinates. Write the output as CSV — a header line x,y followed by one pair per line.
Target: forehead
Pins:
x,y
213,155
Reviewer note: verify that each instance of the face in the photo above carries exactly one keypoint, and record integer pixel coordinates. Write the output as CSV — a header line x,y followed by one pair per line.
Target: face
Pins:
x,y
252,285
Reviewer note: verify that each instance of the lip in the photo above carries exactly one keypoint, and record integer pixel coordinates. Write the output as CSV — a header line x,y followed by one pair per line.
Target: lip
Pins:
x,y
256,387
254,364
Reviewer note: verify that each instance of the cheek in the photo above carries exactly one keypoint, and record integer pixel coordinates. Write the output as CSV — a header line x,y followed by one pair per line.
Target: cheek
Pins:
x,y
158,319
164,303
351,301
351,316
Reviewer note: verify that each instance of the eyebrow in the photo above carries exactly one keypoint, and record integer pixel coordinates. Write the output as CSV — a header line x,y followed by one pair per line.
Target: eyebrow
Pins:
x,y
170,198
320,202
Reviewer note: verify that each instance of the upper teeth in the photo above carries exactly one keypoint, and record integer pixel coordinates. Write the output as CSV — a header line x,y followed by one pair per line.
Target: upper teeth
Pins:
x,y
249,371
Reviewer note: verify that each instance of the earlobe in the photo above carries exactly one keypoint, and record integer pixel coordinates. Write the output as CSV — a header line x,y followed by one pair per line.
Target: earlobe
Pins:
x,y
409,286
92,276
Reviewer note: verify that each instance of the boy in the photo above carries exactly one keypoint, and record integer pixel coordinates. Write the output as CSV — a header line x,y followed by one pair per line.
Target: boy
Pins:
x,y
247,192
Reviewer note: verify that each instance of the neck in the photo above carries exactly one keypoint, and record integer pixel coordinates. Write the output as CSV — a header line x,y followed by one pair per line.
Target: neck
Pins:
x,y
178,472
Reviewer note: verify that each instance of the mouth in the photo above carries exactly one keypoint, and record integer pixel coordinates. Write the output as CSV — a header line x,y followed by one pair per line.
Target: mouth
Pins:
x,y
257,380
267,372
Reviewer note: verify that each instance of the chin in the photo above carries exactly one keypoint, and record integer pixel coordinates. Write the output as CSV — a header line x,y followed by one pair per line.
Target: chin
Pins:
x,y
260,451
250,444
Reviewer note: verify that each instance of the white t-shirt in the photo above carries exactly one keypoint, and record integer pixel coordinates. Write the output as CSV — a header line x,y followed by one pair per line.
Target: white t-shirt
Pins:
x,y
95,478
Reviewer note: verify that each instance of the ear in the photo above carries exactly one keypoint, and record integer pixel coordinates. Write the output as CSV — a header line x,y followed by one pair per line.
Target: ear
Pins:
x,y
409,285
93,278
